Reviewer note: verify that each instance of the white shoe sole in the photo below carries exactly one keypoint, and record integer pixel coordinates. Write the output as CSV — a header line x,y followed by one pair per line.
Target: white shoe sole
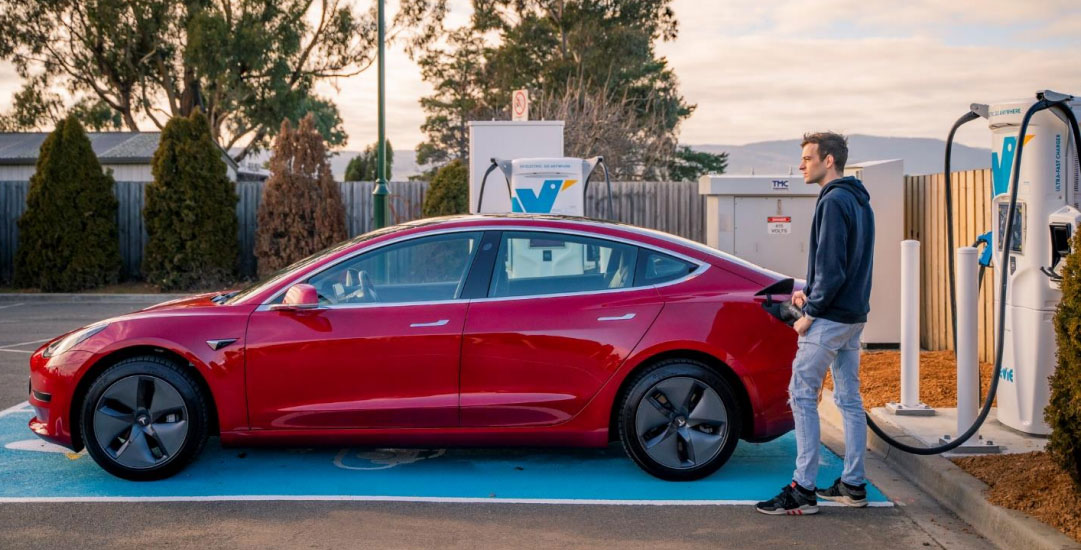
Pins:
x,y
805,510
846,500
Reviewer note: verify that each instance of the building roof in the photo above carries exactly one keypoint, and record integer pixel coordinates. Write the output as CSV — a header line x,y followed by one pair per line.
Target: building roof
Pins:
x,y
110,147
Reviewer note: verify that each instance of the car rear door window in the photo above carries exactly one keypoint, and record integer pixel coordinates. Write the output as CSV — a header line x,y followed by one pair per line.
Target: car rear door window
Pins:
x,y
542,263
656,268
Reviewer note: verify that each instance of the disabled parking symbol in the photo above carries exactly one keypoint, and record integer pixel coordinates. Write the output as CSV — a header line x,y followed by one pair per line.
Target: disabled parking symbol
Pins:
x,y
382,459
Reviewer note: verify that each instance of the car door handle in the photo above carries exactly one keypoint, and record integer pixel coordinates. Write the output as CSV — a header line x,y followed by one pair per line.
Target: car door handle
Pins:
x,y
626,317
438,323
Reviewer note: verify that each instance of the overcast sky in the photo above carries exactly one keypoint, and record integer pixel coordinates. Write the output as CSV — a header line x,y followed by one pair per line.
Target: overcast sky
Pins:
x,y
771,69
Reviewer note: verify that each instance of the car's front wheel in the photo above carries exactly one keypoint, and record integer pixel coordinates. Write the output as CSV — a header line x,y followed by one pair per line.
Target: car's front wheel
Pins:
x,y
679,420
144,418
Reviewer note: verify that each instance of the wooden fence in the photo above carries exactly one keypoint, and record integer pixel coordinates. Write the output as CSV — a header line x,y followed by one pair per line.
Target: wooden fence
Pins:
x,y
675,207
925,221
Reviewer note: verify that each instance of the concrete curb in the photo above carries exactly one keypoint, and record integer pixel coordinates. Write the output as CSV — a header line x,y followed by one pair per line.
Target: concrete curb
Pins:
x,y
33,297
958,491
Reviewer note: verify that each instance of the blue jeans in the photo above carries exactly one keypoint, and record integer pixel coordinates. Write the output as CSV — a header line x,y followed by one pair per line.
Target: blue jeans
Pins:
x,y
825,343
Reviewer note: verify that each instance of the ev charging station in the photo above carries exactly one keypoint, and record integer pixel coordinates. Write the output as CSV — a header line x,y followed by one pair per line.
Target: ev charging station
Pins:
x,y
506,139
1036,197
501,183
1046,218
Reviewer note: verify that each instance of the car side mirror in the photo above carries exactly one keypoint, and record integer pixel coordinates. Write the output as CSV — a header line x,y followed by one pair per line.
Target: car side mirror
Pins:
x,y
299,296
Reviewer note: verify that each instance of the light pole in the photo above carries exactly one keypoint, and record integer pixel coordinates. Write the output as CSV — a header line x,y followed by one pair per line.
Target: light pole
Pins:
x,y
379,194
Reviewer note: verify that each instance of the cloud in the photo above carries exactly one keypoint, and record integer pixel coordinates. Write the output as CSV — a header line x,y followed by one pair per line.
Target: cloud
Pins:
x,y
770,70
780,80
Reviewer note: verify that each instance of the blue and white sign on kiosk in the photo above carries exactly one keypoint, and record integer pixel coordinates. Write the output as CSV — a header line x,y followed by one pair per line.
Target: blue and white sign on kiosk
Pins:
x,y
543,185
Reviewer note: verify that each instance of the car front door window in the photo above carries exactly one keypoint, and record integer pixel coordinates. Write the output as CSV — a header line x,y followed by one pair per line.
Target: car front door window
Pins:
x,y
427,269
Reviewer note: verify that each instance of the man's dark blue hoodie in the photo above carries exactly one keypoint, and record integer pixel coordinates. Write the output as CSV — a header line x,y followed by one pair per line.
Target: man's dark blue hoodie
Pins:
x,y
842,249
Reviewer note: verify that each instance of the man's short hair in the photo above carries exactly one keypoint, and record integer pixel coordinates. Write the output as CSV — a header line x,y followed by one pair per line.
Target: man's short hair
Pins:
x,y
829,143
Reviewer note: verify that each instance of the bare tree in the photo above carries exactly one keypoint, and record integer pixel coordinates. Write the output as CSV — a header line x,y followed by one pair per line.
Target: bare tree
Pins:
x,y
634,145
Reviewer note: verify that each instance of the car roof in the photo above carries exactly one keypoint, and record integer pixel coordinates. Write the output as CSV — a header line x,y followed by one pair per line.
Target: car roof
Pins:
x,y
646,235
602,228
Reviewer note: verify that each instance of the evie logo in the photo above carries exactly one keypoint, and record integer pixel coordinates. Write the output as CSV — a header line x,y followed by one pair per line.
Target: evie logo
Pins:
x,y
1006,375
532,202
1002,164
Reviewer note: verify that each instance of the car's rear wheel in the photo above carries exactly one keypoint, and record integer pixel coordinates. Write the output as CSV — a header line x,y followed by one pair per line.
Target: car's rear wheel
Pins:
x,y
679,420
144,418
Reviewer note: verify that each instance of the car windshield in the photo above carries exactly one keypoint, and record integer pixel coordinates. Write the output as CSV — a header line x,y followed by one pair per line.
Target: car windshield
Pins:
x,y
284,273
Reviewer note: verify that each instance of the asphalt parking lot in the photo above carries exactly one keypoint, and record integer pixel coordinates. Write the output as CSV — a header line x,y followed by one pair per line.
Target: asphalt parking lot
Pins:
x,y
442,498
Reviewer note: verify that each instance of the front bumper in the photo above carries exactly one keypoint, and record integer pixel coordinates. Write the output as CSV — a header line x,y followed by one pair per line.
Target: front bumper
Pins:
x,y
52,387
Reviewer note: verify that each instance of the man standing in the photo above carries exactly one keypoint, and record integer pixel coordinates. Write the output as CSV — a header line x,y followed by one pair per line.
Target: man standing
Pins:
x,y
835,303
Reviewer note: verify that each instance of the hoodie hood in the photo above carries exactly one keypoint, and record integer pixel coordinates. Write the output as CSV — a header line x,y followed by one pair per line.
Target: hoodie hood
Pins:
x,y
852,185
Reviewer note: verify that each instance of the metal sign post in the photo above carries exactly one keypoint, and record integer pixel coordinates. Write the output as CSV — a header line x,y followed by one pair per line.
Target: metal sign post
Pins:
x,y
379,194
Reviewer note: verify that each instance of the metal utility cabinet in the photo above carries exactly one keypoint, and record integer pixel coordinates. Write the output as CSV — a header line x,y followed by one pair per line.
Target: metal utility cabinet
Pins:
x,y
767,220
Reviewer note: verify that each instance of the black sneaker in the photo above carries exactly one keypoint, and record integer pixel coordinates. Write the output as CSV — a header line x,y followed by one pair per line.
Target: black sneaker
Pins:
x,y
793,501
849,495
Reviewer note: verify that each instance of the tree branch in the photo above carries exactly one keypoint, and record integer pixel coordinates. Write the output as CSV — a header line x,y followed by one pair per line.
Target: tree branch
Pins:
x,y
303,59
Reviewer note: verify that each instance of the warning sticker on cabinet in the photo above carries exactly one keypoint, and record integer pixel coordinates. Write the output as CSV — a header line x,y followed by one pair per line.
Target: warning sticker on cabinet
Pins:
x,y
779,225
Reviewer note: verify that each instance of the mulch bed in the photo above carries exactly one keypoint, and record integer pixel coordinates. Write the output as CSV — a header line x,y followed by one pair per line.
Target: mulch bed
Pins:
x,y
880,378
1028,482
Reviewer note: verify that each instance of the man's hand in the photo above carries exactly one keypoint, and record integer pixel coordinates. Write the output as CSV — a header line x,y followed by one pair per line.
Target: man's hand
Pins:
x,y
799,298
802,324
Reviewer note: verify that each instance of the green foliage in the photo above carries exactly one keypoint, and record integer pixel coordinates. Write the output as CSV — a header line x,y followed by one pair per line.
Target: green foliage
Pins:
x,y
457,74
363,166
448,192
549,48
1063,413
68,234
246,63
302,211
190,212
688,164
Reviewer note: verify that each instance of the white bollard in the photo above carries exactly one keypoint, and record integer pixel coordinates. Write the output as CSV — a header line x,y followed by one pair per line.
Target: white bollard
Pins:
x,y
910,334
966,344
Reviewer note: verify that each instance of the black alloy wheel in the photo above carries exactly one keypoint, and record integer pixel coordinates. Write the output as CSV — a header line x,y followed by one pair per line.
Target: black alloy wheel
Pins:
x,y
144,418
679,420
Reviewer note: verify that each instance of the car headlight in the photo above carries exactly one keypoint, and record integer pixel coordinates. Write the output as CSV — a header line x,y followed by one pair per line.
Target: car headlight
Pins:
x,y
73,339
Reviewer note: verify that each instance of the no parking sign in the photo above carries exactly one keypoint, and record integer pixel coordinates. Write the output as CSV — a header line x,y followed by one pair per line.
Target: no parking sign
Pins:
x,y
519,105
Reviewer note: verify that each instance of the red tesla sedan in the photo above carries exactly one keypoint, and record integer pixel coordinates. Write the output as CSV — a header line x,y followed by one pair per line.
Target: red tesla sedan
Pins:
x,y
461,331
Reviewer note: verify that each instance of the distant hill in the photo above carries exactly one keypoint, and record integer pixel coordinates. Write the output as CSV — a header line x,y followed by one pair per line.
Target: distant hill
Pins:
x,y
921,155
404,163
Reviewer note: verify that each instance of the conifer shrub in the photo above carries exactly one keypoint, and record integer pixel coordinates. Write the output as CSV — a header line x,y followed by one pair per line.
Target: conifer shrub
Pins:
x,y
68,233
301,211
448,192
190,211
363,166
1063,413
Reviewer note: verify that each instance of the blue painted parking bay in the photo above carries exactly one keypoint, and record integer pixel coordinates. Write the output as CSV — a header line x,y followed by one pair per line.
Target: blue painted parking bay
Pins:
x,y
33,471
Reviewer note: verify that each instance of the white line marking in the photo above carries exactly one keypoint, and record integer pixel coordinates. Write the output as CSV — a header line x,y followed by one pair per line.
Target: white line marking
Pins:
x,y
24,343
17,351
441,500
12,305
15,408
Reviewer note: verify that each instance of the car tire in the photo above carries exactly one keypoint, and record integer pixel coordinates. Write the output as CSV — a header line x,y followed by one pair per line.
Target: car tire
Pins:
x,y
144,418
684,436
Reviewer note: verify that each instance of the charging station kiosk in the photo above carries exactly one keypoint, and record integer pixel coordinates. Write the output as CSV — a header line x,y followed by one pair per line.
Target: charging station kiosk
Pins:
x,y
1046,218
